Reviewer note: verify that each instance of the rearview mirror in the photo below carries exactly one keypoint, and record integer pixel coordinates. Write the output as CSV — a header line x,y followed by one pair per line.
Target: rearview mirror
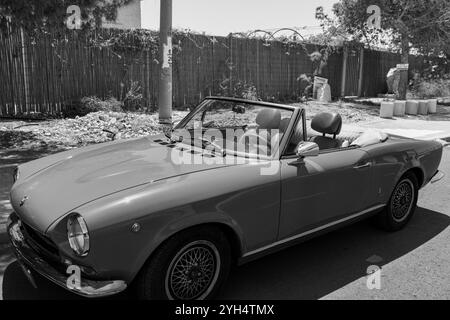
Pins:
x,y
307,149
238,109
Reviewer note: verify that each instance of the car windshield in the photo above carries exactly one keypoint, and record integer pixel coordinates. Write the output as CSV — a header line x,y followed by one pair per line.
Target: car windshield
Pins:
x,y
233,127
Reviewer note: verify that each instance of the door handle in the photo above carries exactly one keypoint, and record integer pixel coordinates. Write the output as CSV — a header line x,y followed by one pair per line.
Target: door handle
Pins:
x,y
365,165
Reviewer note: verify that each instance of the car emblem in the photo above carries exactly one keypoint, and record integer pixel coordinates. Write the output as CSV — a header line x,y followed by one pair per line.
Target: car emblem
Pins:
x,y
22,202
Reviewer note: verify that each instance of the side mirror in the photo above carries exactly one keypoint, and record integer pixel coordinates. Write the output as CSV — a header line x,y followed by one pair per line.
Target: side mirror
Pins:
x,y
307,149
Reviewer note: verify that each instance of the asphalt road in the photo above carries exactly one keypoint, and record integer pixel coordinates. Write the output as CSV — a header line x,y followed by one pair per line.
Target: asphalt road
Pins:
x,y
415,262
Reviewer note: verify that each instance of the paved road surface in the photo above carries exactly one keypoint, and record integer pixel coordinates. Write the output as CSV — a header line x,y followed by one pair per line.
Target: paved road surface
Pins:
x,y
415,262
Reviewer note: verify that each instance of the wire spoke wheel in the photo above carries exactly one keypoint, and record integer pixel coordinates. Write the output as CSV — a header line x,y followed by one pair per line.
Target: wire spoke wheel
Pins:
x,y
402,200
193,271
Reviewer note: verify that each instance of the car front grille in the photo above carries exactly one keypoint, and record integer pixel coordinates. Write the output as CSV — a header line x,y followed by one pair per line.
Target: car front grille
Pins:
x,y
41,244
49,252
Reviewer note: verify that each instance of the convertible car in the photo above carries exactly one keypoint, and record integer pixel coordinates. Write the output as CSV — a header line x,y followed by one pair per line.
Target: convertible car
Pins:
x,y
234,180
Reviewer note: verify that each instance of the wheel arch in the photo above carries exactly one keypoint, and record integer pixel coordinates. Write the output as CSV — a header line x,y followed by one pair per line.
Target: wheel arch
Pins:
x,y
231,232
418,172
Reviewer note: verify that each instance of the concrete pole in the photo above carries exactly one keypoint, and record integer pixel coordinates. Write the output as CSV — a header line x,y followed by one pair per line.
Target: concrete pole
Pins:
x,y
165,63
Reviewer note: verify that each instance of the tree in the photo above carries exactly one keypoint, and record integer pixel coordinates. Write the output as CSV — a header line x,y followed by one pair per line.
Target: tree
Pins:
x,y
420,24
49,15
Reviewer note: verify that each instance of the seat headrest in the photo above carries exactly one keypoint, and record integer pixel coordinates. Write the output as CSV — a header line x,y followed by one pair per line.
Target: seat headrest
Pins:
x,y
329,123
268,118
284,123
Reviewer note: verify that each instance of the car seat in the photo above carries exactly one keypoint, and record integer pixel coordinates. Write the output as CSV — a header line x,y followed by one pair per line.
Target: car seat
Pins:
x,y
268,119
327,123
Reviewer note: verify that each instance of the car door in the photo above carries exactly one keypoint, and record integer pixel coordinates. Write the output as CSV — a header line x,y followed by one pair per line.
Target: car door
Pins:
x,y
322,189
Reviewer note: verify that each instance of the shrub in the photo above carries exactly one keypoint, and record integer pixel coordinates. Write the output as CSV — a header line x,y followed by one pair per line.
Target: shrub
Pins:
x,y
239,89
306,85
94,104
90,104
431,88
133,100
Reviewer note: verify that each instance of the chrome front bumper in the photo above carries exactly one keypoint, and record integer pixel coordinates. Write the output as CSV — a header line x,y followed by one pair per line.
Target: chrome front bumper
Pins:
x,y
439,175
28,258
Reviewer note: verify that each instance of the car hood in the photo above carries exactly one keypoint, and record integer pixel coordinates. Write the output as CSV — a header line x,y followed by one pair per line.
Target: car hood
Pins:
x,y
59,184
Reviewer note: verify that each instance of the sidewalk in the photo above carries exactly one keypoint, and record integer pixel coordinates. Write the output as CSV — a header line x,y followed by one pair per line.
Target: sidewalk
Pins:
x,y
411,128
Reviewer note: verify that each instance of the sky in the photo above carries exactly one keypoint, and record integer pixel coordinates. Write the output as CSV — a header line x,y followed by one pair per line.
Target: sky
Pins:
x,y
216,17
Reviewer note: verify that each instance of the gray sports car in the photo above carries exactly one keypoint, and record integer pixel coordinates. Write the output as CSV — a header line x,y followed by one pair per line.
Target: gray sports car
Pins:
x,y
234,180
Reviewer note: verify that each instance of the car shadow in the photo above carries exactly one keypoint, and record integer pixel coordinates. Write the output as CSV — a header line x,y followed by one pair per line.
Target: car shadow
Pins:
x,y
17,287
309,270
315,268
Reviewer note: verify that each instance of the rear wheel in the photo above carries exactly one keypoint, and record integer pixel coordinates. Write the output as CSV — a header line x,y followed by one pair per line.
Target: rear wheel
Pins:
x,y
191,265
402,204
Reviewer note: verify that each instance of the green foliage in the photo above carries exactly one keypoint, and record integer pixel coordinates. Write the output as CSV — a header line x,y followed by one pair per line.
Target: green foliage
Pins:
x,y
238,89
49,15
306,85
128,40
431,87
133,100
424,24
432,68
405,24
94,104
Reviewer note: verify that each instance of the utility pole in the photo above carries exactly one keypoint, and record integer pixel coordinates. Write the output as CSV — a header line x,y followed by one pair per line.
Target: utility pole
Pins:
x,y
165,63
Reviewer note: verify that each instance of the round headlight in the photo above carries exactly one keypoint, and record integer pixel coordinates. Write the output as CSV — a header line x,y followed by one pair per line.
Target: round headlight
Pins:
x,y
78,235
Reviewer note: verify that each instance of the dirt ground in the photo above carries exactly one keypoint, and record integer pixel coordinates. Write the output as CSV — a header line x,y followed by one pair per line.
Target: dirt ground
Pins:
x,y
93,128
350,112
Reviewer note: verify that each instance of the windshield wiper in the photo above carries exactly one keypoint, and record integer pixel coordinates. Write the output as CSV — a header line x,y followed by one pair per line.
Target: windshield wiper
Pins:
x,y
206,143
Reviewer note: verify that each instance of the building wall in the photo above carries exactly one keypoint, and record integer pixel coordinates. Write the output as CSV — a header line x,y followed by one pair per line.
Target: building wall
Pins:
x,y
128,17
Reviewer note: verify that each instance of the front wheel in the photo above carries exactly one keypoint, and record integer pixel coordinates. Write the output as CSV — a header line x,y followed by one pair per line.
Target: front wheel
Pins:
x,y
191,265
402,204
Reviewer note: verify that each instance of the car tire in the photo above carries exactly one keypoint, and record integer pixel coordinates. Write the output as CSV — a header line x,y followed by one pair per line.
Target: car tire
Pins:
x,y
402,204
191,265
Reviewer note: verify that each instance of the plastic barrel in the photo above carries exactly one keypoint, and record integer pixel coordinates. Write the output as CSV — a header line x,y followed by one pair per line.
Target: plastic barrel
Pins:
x,y
412,107
432,105
387,109
423,107
399,108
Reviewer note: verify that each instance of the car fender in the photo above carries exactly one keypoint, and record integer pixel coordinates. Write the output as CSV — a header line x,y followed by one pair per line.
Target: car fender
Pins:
x,y
185,222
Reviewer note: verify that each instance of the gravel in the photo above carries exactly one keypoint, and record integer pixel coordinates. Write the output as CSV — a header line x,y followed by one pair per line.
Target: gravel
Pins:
x,y
97,127
93,128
